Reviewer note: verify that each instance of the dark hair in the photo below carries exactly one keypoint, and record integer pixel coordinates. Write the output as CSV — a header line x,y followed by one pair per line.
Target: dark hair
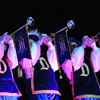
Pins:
x,y
34,34
74,40
33,37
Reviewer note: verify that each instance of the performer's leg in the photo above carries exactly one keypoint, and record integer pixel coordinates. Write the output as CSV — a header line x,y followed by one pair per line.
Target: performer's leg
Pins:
x,y
44,97
8,98
48,97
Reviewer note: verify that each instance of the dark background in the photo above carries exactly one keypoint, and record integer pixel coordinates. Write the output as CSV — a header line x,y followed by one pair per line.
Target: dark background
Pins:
x,y
50,17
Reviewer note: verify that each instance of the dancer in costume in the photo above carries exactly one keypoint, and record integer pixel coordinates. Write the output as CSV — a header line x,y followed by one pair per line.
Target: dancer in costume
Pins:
x,y
8,88
81,68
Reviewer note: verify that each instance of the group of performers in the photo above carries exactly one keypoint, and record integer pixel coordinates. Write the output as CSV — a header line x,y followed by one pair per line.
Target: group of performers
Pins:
x,y
39,72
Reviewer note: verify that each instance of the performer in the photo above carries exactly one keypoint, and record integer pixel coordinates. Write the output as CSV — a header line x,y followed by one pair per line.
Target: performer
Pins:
x,y
80,72
8,88
42,84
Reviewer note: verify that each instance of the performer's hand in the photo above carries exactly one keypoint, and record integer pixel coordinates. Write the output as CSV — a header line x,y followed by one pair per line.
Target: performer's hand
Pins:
x,y
27,67
48,41
9,41
42,38
92,43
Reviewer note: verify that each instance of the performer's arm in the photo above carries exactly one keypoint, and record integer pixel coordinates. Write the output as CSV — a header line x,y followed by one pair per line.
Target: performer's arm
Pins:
x,y
77,57
95,56
2,40
35,52
11,53
1,51
95,59
51,54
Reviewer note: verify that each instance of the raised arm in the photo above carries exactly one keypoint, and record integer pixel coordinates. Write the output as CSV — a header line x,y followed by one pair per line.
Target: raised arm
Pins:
x,y
2,45
95,55
51,53
35,52
95,59
11,53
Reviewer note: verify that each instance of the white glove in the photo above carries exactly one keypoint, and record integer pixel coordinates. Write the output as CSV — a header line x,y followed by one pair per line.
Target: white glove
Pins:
x,y
48,41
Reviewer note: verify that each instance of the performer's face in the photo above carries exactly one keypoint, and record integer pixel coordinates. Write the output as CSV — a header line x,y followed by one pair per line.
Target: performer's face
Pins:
x,y
91,45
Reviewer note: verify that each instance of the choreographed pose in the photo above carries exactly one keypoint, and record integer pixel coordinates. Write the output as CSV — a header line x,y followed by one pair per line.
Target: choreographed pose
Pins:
x,y
81,68
8,88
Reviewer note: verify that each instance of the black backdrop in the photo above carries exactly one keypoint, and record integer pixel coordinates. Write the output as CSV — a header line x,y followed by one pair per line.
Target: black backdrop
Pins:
x,y
51,16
